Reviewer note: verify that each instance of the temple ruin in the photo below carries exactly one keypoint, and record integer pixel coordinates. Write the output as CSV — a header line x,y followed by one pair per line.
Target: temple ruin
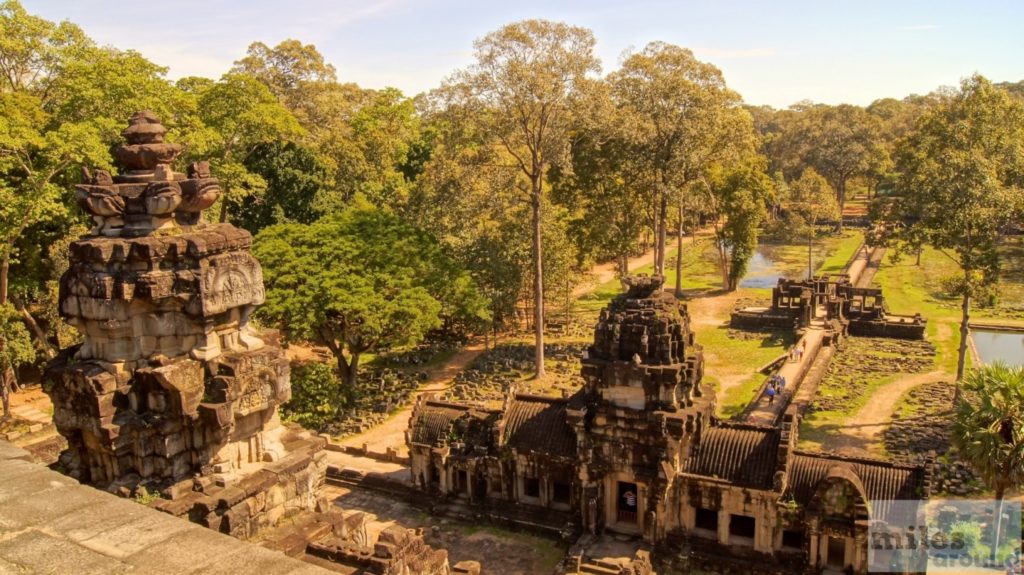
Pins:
x,y
848,309
172,392
638,452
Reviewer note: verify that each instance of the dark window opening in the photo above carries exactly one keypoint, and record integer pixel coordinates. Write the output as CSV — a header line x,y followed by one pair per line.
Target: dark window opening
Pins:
x,y
561,493
794,539
461,481
531,487
707,519
628,502
494,486
741,526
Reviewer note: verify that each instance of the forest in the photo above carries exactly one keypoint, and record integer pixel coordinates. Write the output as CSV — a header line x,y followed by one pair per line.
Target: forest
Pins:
x,y
382,218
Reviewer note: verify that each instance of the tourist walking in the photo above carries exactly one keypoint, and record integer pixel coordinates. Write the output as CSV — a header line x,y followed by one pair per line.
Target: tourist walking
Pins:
x,y
771,394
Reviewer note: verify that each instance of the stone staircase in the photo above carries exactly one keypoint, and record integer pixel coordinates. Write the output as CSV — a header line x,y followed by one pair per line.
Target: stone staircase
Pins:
x,y
35,421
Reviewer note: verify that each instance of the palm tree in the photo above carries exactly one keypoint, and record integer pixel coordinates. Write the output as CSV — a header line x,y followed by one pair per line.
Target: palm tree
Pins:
x,y
988,429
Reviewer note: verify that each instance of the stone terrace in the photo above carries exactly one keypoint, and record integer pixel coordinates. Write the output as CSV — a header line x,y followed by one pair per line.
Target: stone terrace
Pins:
x,y
50,523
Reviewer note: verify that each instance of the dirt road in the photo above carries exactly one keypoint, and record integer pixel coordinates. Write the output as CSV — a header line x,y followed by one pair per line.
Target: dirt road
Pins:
x,y
862,433
391,433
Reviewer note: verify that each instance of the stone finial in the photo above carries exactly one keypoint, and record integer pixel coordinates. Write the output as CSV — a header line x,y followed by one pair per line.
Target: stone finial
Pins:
x,y
144,128
643,285
145,149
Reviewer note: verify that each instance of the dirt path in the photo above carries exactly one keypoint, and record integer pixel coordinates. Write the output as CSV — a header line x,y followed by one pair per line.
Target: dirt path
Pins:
x,y
391,433
601,274
863,431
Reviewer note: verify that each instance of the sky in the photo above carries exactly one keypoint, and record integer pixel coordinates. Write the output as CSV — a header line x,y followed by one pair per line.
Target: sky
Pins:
x,y
774,52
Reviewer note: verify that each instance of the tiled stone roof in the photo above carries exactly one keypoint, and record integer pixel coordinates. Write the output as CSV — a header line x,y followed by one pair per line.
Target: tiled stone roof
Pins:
x,y
432,422
534,423
741,454
881,479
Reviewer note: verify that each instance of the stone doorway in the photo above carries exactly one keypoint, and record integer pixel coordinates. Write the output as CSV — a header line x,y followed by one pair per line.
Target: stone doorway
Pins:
x,y
836,553
627,503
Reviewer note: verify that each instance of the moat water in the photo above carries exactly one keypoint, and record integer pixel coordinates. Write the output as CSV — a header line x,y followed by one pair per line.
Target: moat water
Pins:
x,y
1005,346
764,270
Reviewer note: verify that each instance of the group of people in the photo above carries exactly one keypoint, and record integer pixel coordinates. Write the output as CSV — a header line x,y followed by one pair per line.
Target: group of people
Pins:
x,y
776,385
797,353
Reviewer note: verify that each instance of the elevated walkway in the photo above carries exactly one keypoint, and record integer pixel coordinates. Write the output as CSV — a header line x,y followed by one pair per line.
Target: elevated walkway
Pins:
x,y
49,523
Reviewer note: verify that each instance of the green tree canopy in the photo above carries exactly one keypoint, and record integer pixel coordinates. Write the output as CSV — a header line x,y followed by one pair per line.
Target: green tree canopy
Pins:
x,y
683,117
238,113
812,201
15,350
296,179
359,281
520,92
735,204
960,184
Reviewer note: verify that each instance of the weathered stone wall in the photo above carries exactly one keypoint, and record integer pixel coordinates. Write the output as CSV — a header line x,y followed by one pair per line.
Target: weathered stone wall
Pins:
x,y
171,391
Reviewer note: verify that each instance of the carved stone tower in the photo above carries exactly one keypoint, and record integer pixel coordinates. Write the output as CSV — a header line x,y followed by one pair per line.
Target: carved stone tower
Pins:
x,y
170,381
644,403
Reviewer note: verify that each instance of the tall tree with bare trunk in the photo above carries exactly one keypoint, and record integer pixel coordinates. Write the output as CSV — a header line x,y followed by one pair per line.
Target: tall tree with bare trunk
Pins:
x,y
521,90
960,185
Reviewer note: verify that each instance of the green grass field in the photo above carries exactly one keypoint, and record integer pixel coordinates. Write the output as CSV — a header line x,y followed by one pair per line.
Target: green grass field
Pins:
x,y
910,288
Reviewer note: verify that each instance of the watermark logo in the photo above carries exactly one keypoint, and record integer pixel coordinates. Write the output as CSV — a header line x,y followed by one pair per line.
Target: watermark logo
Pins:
x,y
945,536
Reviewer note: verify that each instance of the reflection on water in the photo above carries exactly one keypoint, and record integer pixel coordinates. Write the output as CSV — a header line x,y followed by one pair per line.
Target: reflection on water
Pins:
x,y
764,270
1004,346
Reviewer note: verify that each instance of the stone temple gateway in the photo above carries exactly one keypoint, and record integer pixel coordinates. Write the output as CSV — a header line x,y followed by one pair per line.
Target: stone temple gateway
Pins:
x,y
637,452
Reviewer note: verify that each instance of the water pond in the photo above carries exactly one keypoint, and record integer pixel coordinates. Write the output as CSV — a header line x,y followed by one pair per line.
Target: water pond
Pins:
x,y
1005,346
770,262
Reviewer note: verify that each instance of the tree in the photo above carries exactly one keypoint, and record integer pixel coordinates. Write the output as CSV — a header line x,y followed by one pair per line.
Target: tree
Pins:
x,y
466,196
290,70
813,201
736,198
960,184
606,195
363,136
63,103
15,350
295,177
839,142
521,89
988,430
384,130
360,281
238,114
682,117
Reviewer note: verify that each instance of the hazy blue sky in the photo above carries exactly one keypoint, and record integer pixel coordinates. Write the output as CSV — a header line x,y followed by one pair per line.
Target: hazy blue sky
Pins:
x,y
773,52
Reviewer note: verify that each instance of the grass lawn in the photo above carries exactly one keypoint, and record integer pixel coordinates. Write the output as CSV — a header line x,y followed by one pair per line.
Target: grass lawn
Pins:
x,y
736,361
843,248
910,288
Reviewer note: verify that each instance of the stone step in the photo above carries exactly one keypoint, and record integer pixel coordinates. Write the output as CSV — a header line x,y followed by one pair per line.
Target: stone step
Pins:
x,y
606,564
598,570
31,414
